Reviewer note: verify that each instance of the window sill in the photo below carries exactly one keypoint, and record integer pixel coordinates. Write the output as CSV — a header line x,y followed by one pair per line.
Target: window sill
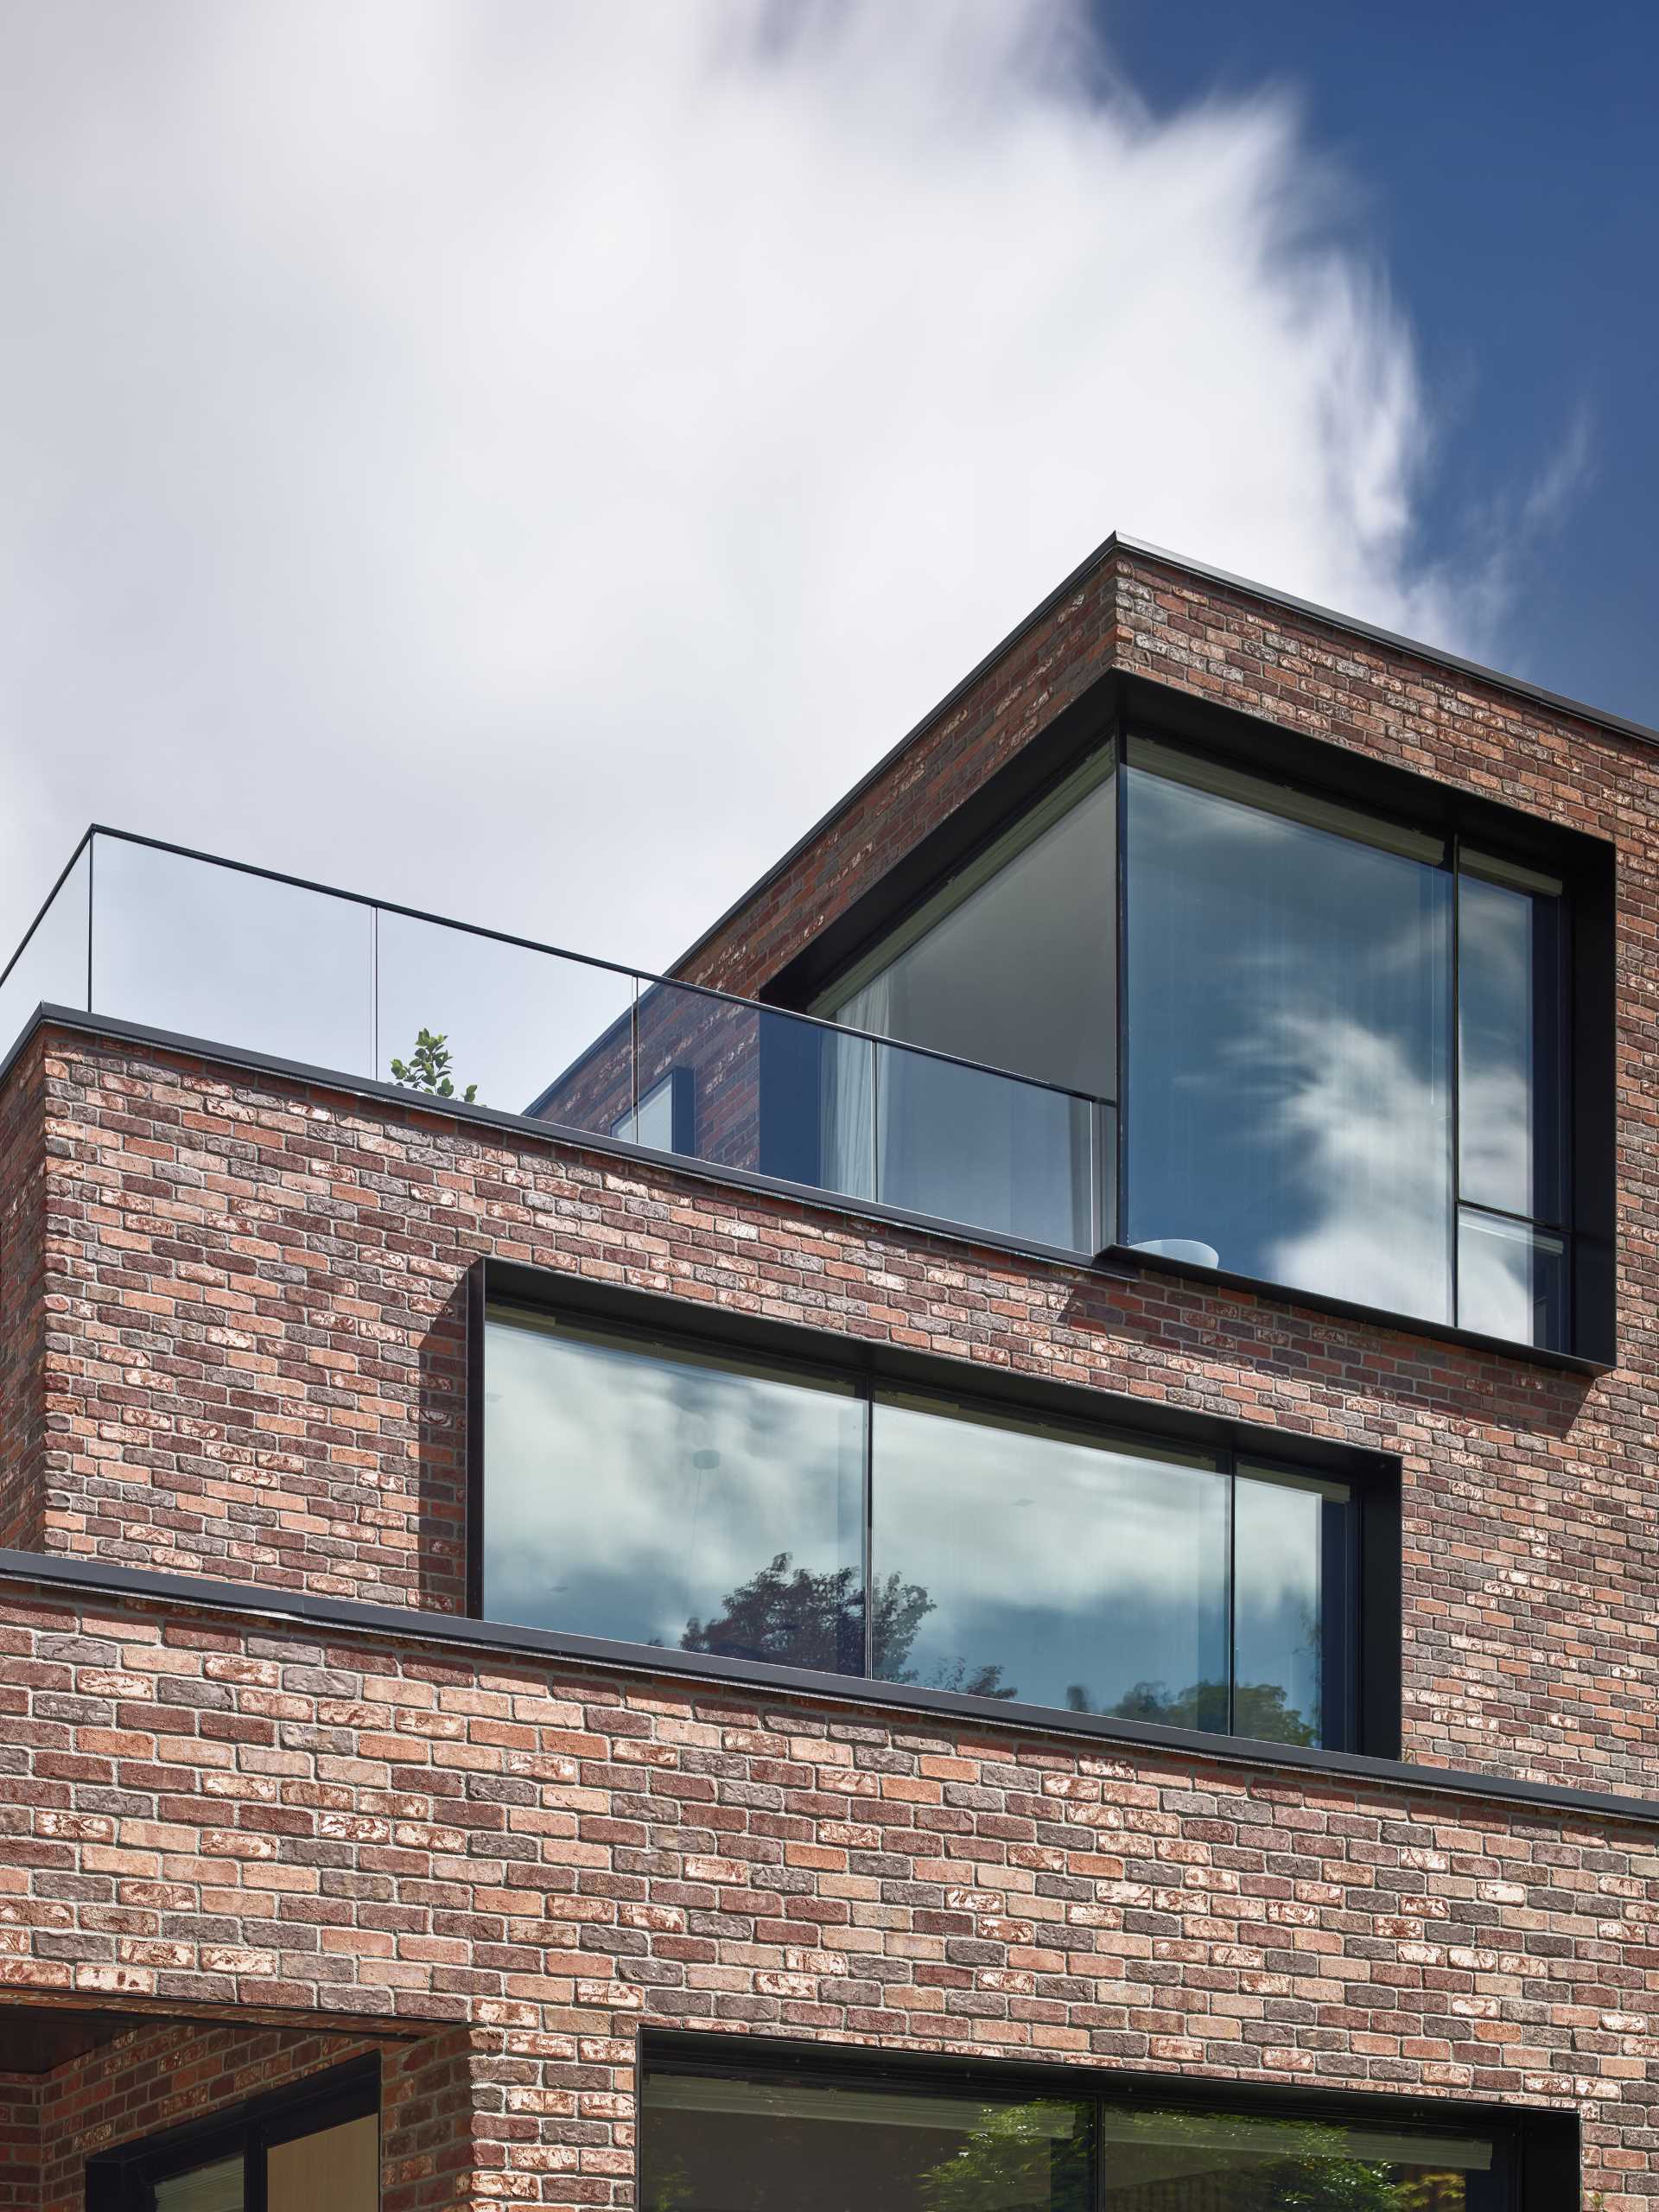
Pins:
x,y
1120,1263
246,1604
1121,1259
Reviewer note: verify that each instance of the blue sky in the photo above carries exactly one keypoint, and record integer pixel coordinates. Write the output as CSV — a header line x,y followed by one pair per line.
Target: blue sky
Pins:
x,y
1505,161
528,458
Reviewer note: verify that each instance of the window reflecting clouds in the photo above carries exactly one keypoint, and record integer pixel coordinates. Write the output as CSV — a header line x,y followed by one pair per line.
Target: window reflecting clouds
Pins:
x,y
1509,1122
649,1492
1289,989
1291,1550
1062,1571
1339,1033
658,1495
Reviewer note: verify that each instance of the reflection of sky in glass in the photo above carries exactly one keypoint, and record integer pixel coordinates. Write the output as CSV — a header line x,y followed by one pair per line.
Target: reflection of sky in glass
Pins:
x,y
628,1490
1020,974
1507,1118
238,959
1511,1281
1278,1604
1059,1563
51,968
1288,1071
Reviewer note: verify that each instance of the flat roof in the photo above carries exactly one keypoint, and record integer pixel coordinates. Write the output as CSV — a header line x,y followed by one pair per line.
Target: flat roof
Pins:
x,y
1516,686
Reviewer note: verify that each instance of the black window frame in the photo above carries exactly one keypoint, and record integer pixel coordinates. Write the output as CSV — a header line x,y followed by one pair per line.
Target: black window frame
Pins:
x,y
1117,708
123,2180
1373,1568
1537,2149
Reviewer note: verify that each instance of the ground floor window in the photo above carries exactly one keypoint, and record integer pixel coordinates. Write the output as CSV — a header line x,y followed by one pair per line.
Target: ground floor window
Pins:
x,y
314,2148
746,2141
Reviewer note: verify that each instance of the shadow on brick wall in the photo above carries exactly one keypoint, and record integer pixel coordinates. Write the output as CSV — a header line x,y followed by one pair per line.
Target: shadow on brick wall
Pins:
x,y
440,1503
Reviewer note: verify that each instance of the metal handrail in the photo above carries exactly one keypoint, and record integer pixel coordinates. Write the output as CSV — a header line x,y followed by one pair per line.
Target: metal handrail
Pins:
x,y
638,976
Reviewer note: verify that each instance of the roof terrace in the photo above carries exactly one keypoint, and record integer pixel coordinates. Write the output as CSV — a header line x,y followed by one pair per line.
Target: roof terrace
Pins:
x,y
212,954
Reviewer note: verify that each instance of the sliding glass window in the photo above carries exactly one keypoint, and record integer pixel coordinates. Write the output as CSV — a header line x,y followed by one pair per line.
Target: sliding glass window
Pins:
x,y
642,1489
658,1493
718,2141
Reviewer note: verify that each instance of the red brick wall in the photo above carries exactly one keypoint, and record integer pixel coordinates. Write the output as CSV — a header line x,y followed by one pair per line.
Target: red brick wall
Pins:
x,y
19,2143
23,1307
558,1857
177,2072
261,1375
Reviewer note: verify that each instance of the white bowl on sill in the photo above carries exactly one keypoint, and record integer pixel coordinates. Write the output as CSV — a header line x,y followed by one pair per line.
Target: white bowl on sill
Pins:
x,y
1179,1248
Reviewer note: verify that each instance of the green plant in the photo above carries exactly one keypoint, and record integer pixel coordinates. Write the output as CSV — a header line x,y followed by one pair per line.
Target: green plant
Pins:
x,y
428,1068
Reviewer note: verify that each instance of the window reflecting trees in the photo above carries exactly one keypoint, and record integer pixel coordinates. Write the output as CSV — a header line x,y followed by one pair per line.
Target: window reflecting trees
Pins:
x,y
649,1490
717,2142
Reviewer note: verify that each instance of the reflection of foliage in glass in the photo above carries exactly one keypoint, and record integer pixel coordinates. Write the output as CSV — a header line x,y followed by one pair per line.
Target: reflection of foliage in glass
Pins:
x,y
1259,1709
1317,2174
668,2191
1012,2156
801,1619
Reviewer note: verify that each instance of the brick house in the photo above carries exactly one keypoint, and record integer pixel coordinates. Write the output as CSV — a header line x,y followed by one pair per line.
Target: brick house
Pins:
x,y
996,1549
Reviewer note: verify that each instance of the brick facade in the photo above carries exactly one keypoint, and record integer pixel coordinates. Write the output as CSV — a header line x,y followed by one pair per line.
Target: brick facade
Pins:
x,y
233,1345
560,1858
256,1367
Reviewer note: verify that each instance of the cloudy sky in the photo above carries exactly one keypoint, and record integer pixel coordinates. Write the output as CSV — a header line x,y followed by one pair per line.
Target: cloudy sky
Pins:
x,y
526,459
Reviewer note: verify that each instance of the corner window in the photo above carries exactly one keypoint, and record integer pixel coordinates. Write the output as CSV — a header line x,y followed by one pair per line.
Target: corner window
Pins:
x,y
1011,965
744,2139
1340,1039
645,1489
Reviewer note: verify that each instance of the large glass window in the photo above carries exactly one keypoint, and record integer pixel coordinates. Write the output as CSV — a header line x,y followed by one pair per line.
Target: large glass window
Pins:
x,y
750,2142
1010,964
1343,1043
1057,1568
1289,1037
1344,1050
650,1492
660,1494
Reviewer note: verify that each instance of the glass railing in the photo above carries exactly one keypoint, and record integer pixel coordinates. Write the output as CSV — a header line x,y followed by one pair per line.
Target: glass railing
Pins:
x,y
149,934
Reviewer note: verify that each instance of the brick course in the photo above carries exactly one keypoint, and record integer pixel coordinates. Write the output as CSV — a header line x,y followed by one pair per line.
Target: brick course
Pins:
x,y
200,1812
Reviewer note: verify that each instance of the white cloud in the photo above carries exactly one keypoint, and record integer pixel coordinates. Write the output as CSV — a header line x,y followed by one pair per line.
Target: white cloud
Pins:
x,y
528,459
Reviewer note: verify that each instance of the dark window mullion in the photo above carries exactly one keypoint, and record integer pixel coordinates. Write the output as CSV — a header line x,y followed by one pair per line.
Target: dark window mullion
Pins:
x,y
1120,984
1231,1474
1457,1071
1522,1220
870,1530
